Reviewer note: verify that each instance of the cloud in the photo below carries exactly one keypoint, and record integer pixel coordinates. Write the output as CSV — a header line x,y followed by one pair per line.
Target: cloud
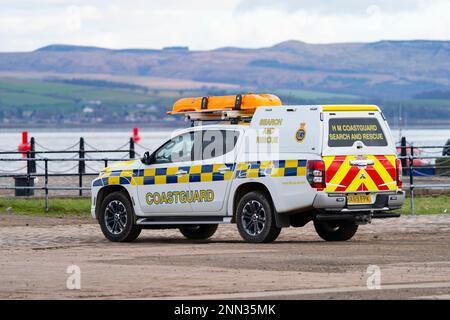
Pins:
x,y
204,24
328,7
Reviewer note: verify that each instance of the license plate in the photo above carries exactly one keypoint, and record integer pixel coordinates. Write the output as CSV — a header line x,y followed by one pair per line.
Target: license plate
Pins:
x,y
359,199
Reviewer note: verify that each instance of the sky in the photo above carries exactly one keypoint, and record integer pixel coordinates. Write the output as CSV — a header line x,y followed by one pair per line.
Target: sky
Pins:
x,y
26,25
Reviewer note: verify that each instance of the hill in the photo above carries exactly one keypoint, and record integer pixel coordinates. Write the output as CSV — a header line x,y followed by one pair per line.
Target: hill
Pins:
x,y
80,85
385,69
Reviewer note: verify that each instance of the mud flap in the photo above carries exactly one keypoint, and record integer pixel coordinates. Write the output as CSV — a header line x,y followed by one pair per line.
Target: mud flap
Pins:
x,y
299,219
282,220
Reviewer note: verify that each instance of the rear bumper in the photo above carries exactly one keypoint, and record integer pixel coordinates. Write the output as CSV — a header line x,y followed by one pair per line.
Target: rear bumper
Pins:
x,y
338,202
360,218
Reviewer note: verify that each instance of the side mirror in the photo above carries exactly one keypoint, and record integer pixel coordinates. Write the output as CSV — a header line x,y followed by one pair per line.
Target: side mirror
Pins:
x,y
146,159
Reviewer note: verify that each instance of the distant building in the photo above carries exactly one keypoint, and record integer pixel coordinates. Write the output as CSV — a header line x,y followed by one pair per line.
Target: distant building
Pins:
x,y
94,102
178,49
152,109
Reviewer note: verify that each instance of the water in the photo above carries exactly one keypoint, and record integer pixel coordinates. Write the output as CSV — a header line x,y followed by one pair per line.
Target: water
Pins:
x,y
423,137
60,139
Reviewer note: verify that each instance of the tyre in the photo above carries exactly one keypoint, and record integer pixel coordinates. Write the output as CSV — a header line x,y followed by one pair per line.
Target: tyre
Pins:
x,y
116,218
255,218
335,230
199,232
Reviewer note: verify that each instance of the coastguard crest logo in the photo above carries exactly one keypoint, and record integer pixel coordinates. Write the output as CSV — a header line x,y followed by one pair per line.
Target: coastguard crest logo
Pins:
x,y
301,133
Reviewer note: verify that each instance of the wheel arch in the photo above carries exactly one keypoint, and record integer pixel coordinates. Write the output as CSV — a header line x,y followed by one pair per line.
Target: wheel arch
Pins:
x,y
281,220
246,188
103,192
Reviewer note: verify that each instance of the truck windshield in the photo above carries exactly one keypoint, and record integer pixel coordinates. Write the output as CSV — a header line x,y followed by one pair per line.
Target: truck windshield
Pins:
x,y
344,132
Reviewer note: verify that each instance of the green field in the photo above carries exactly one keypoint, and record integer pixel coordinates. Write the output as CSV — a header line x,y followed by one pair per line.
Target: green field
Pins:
x,y
60,97
82,206
314,95
50,101
428,102
54,96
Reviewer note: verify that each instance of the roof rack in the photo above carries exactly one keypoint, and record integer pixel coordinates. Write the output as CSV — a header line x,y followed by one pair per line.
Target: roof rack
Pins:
x,y
233,116
236,109
218,115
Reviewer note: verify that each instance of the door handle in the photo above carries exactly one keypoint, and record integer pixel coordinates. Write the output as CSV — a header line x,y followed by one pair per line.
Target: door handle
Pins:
x,y
223,169
361,163
181,172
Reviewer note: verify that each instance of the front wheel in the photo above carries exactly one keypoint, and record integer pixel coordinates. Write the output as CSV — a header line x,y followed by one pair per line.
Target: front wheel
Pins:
x,y
199,232
116,218
255,219
335,230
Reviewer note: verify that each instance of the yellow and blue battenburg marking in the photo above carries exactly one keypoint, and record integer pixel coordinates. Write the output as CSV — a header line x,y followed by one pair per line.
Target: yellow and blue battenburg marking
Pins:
x,y
195,173
279,168
202,173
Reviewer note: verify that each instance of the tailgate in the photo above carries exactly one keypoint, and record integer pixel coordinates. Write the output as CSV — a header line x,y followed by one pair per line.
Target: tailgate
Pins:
x,y
354,173
358,151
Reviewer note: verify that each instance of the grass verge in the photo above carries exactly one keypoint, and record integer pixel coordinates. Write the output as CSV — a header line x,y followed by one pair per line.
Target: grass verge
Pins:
x,y
57,206
428,205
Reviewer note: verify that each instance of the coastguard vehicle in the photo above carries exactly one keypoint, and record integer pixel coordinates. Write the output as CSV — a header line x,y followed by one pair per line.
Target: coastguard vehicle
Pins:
x,y
249,160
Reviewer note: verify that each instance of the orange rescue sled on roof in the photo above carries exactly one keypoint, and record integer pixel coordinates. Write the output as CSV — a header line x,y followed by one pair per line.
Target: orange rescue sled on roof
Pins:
x,y
238,102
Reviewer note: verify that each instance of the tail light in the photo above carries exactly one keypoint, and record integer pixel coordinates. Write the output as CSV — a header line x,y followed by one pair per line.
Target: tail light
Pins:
x,y
315,173
398,168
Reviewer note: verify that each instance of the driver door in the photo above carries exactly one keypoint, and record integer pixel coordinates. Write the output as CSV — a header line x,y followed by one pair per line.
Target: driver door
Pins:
x,y
164,184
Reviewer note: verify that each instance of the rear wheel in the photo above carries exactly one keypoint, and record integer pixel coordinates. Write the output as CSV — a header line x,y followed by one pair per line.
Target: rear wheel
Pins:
x,y
199,232
117,218
255,219
335,230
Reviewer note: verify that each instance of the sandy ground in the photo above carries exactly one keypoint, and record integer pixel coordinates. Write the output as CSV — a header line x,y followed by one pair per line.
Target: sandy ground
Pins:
x,y
413,254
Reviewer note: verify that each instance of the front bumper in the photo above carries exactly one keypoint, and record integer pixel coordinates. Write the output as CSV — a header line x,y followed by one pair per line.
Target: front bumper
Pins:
x,y
94,192
338,202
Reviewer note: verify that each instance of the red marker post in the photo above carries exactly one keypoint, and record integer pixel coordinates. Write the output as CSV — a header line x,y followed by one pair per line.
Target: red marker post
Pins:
x,y
25,145
136,137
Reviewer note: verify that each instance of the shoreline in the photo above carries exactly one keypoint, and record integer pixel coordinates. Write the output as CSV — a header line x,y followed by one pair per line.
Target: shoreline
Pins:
x,y
152,127
125,128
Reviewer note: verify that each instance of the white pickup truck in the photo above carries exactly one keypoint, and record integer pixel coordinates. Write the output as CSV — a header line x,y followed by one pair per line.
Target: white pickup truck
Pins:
x,y
286,166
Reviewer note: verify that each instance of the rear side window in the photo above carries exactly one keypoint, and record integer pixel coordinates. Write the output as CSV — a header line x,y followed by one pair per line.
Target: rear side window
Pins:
x,y
216,143
343,132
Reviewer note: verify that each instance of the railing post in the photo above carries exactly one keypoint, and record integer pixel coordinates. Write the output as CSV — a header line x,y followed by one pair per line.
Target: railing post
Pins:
x,y
32,164
132,153
411,180
81,166
403,155
46,184
28,184
28,166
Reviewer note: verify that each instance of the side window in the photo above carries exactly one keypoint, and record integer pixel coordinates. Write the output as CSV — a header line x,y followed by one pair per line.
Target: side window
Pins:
x,y
216,143
178,149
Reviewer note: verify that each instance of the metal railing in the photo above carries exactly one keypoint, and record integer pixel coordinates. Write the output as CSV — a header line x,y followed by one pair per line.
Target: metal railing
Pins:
x,y
408,155
411,170
34,157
